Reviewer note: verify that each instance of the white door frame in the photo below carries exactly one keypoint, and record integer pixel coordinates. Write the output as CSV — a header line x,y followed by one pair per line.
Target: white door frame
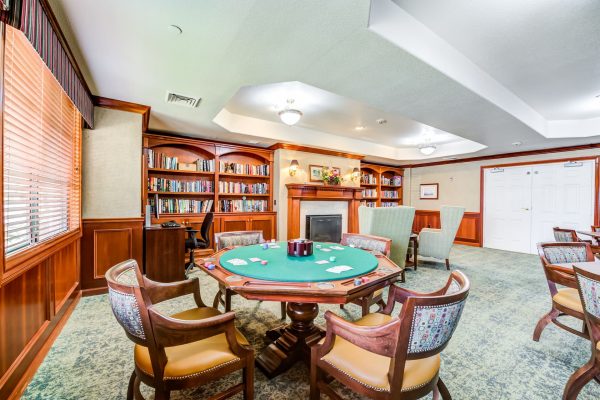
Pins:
x,y
557,160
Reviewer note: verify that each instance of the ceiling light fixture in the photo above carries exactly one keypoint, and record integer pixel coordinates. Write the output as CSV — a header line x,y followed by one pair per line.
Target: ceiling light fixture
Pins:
x,y
381,121
290,116
359,127
427,148
517,143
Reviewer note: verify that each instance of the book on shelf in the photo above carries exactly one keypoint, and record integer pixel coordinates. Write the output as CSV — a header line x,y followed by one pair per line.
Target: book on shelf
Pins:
x,y
179,206
389,204
389,194
176,185
243,169
368,203
369,193
243,188
368,179
162,161
396,180
243,205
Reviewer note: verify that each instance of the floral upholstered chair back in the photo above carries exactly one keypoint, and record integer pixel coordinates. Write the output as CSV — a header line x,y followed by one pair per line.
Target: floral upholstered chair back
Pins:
x,y
374,244
238,238
560,253
565,235
126,300
589,290
433,319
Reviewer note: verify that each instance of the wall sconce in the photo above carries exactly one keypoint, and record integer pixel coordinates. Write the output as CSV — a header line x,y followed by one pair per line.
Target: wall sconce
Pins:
x,y
355,174
293,167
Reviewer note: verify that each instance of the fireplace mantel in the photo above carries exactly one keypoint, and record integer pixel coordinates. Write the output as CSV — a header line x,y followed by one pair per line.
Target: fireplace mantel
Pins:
x,y
309,192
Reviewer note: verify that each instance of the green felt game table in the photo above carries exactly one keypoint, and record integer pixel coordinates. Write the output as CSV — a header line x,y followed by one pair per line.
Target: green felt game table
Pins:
x,y
281,267
302,284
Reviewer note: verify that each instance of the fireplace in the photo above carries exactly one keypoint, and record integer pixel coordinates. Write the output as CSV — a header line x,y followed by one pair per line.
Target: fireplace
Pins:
x,y
324,228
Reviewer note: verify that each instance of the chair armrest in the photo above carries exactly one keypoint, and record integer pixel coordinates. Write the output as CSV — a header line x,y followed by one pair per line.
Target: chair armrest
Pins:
x,y
169,331
563,276
380,339
158,291
399,294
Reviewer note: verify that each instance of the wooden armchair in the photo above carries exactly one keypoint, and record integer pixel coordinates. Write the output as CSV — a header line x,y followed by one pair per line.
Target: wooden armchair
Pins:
x,y
588,284
181,351
235,239
384,357
565,300
596,228
376,245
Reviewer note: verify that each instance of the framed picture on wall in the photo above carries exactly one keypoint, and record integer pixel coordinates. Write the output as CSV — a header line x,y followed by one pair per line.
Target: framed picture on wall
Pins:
x,y
429,191
314,173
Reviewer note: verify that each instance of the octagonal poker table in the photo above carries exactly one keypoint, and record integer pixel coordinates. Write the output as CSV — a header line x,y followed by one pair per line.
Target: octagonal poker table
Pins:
x,y
303,283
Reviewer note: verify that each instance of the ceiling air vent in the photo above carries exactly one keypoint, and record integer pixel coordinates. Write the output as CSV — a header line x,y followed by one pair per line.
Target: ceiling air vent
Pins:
x,y
183,100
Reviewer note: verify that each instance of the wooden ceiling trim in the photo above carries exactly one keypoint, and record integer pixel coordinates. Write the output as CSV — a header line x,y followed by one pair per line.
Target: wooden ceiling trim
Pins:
x,y
125,106
309,149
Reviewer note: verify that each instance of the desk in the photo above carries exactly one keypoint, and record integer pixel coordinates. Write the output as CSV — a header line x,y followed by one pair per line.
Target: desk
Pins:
x,y
164,253
303,284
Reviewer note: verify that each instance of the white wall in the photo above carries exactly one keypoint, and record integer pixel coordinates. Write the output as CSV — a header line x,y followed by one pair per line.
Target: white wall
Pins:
x,y
112,165
459,183
282,161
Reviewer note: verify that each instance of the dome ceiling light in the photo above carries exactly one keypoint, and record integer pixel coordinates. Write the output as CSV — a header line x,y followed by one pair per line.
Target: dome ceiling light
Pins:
x,y
427,148
290,116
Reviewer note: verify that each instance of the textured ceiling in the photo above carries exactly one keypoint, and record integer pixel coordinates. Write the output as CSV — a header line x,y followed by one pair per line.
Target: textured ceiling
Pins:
x,y
547,52
127,53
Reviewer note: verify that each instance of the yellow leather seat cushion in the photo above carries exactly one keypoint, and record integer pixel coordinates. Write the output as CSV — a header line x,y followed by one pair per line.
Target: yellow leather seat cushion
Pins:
x,y
192,358
568,297
377,292
371,369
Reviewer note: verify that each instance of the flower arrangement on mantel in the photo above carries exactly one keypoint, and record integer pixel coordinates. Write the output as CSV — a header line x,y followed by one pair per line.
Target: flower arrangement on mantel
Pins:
x,y
331,176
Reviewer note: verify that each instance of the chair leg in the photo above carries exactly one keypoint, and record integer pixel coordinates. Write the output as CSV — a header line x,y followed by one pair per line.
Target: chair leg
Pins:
x,y
130,386
579,379
341,306
444,392
543,322
381,305
315,393
217,299
283,310
249,379
162,394
137,394
228,295
365,304
448,264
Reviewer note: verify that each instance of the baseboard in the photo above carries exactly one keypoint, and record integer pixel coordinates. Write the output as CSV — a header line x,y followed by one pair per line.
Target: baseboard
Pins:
x,y
94,291
40,349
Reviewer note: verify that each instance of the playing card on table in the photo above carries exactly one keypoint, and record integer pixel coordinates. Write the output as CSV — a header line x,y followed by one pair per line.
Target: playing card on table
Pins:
x,y
336,247
338,269
322,262
237,261
325,249
254,259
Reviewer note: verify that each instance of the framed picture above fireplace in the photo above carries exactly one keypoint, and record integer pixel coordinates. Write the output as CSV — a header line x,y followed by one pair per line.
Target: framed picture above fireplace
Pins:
x,y
314,173
429,191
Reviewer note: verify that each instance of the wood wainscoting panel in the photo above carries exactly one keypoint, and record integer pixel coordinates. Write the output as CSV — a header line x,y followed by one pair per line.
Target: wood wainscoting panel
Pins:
x,y
469,231
23,312
107,242
33,307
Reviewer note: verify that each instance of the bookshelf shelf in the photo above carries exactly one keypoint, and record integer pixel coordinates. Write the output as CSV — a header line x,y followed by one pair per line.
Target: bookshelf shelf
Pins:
x,y
381,179
173,151
182,193
178,171
227,174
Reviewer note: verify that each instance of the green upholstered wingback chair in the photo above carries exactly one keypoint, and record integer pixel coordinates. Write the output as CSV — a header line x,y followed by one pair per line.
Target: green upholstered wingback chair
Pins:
x,y
437,243
391,222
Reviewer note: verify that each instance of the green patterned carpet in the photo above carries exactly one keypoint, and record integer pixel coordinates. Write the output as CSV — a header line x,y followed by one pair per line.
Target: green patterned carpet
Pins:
x,y
491,355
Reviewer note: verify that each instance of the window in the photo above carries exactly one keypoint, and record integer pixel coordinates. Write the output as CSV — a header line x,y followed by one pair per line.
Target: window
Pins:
x,y
41,155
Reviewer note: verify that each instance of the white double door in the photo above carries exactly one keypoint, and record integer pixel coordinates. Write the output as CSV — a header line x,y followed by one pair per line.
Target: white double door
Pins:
x,y
523,203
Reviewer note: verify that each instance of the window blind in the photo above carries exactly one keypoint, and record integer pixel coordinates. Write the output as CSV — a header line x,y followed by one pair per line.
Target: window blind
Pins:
x,y
41,154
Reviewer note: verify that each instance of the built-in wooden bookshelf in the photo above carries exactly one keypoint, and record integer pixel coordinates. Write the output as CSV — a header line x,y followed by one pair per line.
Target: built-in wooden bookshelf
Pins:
x,y
185,178
382,185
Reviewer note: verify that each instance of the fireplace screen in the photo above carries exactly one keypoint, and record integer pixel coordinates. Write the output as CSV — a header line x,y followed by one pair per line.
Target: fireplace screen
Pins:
x,y
324,228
